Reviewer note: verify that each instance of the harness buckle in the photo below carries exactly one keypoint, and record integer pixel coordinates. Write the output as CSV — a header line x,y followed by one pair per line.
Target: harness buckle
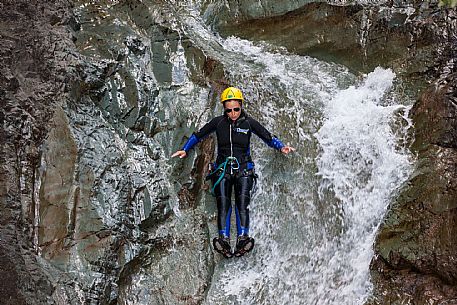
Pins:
x,y
234,164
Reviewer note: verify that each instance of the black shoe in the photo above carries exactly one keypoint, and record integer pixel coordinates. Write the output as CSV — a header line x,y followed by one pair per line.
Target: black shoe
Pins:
x,y
244,244
222,245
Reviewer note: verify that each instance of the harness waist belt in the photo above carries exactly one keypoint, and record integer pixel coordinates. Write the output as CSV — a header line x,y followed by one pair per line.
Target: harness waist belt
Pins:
x,y
243,159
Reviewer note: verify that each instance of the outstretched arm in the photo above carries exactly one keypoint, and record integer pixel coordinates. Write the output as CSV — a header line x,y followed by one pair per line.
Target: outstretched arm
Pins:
x,y
196,137
269,139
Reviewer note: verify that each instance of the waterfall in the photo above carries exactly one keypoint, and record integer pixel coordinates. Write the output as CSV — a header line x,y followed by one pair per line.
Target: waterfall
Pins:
x,y
315,212
314,247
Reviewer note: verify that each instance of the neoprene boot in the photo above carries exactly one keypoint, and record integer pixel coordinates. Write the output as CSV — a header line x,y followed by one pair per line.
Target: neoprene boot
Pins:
x,y
222,245
244,244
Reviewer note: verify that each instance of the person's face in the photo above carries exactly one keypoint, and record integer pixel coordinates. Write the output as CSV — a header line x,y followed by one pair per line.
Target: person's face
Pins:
x,y
233,109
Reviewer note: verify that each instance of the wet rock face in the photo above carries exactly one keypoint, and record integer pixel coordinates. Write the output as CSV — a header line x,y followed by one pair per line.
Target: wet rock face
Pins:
x,y
91,117
409,36
143,85
241,10
176,268
436,115
36,72
94,212
316,29
416,246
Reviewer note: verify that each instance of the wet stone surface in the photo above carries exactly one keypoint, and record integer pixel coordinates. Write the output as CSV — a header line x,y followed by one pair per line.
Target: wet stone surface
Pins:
x,y
409,36
37,65
414,263
416,245
95,98
89,137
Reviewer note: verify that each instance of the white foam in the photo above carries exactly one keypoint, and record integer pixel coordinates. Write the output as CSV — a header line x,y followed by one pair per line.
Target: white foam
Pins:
x,y
315,214
361,164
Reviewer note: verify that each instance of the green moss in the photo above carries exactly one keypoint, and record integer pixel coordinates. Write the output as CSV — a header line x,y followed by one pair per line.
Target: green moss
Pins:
x,y
450,3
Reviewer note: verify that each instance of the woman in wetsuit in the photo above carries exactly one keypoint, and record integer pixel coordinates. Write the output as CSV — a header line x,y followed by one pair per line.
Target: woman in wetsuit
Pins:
x,y
233,168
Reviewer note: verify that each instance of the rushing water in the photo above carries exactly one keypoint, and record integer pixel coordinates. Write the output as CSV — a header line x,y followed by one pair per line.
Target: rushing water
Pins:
x,y
315,212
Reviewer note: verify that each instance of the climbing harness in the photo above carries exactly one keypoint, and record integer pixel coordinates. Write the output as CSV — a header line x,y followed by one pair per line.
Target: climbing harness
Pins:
x,y
223,167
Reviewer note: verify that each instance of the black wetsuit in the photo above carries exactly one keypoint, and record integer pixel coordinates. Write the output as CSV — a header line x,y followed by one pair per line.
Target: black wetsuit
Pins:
x,y
233,146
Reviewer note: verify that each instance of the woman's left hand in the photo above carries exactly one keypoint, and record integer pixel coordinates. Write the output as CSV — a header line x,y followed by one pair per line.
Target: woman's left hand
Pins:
x,y
287,149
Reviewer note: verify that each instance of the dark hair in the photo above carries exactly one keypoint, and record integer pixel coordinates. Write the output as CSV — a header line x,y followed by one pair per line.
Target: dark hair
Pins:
x,y
239,101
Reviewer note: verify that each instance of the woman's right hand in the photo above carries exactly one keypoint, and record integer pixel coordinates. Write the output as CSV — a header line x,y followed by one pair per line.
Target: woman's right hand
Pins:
x,y
180,153
287,149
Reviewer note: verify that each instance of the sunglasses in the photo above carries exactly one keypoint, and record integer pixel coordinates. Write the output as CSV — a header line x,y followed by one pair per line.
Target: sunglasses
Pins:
x,y
228,110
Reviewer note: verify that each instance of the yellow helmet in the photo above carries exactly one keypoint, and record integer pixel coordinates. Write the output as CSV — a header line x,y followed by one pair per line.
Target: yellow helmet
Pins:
x,y
232,93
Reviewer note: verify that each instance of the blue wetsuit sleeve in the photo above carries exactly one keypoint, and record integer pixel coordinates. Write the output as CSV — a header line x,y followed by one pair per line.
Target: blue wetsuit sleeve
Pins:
x,y
196,137
276,143
191,142
265,135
